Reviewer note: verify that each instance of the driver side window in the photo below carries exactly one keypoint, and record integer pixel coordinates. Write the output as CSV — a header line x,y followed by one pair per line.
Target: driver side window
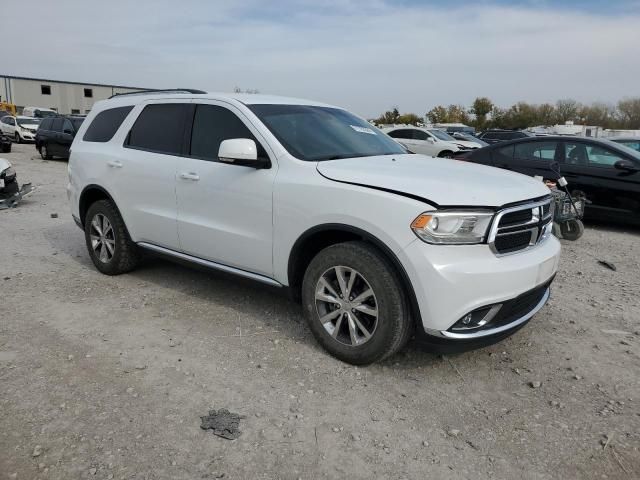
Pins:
x,y
590,155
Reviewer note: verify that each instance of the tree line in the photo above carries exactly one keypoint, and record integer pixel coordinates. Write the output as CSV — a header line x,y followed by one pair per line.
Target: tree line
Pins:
x,y
483,113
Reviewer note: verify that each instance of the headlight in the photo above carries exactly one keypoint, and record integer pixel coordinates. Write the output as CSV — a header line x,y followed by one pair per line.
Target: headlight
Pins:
x,y
449,227
8,173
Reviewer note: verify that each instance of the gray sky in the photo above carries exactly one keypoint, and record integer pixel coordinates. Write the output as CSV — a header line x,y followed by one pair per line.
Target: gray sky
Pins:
x,y
364,55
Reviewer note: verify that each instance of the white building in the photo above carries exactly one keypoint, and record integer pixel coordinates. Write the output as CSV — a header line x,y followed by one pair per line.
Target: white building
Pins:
x,y
63,97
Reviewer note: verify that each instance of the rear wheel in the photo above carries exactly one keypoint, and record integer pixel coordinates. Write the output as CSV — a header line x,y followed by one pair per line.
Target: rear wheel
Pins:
x,y
354,304
572,229
44,152
108,241
6,148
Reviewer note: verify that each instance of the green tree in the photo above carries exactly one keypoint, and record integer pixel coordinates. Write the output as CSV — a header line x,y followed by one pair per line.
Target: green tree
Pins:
x,y
482,106
438,114
409,119
629,112
567,110
457,114
389,117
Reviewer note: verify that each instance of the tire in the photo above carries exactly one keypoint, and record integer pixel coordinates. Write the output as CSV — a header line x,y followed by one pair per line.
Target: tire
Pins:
x,y
44,152
124,255
16,138
6,149
445,154
572,229
384,315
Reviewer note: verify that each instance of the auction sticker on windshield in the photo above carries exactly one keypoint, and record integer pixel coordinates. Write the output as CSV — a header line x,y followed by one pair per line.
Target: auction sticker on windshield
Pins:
x,y
362,129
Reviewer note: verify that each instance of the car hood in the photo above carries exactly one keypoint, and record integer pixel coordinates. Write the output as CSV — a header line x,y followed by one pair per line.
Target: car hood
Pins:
x,y
439,181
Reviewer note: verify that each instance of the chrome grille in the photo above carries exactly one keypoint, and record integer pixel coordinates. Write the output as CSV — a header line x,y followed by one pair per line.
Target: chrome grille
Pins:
x,y
519,228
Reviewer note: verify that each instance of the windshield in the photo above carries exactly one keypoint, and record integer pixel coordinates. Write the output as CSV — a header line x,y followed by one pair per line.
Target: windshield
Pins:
x,y
324,133
28,121
442,135
633,144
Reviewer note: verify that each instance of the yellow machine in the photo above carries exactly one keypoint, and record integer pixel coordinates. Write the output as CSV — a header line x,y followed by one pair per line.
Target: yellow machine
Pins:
x,y
8,107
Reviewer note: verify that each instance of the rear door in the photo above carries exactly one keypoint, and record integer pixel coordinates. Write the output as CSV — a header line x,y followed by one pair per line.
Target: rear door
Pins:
x,y
53,140
65,137
142,175
589,167
225,210
530,158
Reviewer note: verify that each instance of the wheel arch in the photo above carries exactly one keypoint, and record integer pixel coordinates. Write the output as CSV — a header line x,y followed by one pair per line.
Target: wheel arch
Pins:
x,y
321,236
91,194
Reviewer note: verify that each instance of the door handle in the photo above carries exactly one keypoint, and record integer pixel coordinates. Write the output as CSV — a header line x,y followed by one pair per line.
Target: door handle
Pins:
x,y
194,177
114,164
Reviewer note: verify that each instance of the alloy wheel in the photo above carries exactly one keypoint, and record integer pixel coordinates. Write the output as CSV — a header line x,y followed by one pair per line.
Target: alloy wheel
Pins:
x,y
103,239
346,306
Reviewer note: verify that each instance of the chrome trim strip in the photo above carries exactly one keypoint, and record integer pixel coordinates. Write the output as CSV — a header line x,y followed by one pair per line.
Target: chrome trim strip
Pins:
x,y
207,263
491,331
536,239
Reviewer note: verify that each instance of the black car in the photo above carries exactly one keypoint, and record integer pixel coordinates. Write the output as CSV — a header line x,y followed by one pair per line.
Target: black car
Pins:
x,y
55,135
498,136
607,172
5,143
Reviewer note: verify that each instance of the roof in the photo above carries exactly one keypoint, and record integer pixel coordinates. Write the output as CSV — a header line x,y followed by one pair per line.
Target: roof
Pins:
x,y
627,138
244,98
90,84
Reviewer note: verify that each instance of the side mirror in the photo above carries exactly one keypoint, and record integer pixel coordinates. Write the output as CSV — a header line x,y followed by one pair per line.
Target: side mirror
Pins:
x,y
431,140
626,165
239,151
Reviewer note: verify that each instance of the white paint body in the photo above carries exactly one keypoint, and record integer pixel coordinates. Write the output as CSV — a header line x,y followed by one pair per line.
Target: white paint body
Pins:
x,y
249,219
10,126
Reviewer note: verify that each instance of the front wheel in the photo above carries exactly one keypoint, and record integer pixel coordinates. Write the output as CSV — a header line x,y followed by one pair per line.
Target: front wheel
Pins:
x,y
445,154
108,241
6,148
354,303
572,229
16,138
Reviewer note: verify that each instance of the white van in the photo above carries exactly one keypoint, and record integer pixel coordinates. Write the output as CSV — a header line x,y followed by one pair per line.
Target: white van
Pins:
x,y
38,112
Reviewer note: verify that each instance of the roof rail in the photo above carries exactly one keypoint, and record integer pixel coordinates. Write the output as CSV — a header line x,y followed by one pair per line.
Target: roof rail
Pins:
x,y
150,92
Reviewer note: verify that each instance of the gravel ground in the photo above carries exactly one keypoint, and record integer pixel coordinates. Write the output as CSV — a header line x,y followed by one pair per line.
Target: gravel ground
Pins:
x,y
106,377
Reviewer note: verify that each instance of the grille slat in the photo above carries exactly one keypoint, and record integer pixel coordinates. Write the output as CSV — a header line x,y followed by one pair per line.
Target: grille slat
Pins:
x,y
519,228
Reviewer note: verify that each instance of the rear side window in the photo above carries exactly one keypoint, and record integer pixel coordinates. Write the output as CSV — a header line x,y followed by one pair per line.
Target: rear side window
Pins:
x,y
106,124
213,124
159,128
404,133
45,124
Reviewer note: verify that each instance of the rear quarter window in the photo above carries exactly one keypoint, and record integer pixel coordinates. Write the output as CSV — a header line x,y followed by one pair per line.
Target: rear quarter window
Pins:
x,y
105,125
45,124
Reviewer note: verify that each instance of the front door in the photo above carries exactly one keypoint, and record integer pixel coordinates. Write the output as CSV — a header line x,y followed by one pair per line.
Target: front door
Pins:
x,y
612,192
225,210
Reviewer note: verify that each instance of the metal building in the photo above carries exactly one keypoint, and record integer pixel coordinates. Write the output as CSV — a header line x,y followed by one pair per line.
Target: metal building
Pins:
x,y
63,97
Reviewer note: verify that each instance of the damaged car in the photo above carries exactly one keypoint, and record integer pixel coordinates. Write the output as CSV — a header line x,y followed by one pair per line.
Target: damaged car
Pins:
x,y
10,192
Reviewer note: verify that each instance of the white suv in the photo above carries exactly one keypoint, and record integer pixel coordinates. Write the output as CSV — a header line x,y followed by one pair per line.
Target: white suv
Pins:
x,y
378,244
428,141
20,129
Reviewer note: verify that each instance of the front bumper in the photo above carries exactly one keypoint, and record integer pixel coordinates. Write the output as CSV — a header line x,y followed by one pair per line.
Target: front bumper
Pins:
x,y
9,200
27,137
451,281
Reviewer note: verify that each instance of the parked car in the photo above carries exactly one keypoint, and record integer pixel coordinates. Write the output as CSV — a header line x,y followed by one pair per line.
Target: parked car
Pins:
x,y
631,142
608,173
5,143
497,136
423,141
20,129
55,135
39,112
297,194
10,192
469,138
